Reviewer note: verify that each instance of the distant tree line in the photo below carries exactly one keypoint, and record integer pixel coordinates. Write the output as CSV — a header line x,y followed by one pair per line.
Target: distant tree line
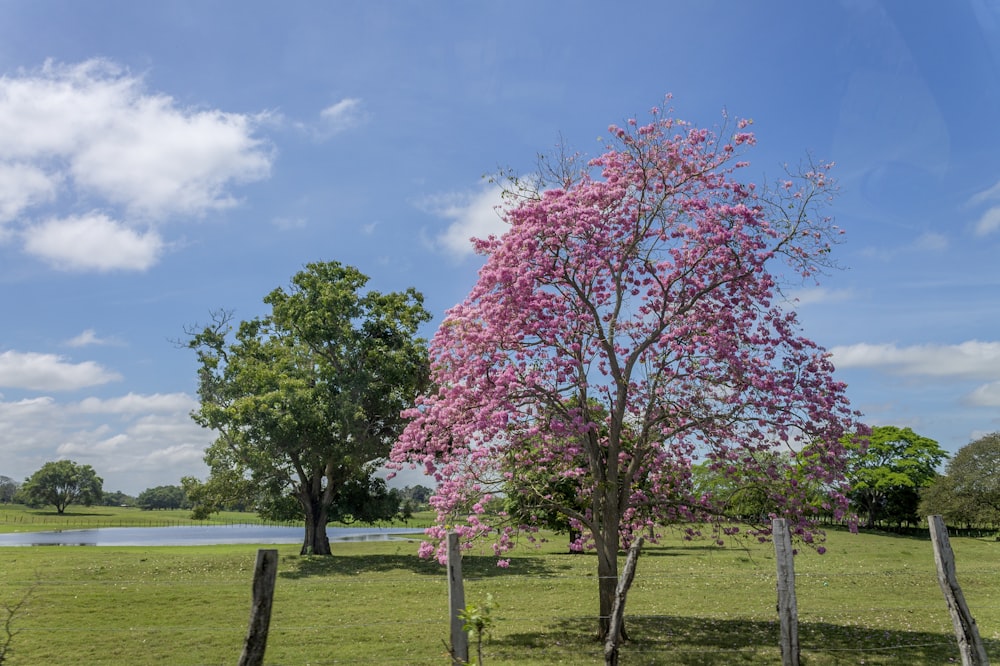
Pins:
x,y
892,479
64,482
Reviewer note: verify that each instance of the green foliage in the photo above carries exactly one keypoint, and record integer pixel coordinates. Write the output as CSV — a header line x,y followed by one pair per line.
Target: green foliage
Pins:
x,y
8,489
60,484
555,496
969,492
477,621
419,495
117,498
886,471
307,400
739,502
162,497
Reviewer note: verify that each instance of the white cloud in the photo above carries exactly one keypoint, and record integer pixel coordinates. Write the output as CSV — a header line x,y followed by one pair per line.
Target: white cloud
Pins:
x,y
89,337
139,404
989,194
172,456
48,372
930,242
92,242
346,114
91,131
473,215
968,360
134,441
988,222
987,395
23,186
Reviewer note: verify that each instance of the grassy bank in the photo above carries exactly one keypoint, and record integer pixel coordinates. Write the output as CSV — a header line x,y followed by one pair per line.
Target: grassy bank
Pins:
x,y
871,599
17,518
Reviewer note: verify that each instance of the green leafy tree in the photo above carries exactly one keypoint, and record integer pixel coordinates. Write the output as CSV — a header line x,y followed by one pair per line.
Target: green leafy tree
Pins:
x,y
536,494
887,469
969,492
162,497
117,498
62,483
307,400
8,489
754,499
417,494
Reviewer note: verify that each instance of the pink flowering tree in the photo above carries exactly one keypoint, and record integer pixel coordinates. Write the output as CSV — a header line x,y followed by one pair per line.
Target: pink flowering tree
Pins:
x,y
629,321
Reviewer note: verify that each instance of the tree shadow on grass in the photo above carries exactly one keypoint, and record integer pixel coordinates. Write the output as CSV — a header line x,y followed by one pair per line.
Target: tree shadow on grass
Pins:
x,y
692,641
66,514
473,566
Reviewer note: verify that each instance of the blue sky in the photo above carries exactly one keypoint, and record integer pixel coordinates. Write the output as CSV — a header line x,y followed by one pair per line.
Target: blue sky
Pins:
x,y
162,160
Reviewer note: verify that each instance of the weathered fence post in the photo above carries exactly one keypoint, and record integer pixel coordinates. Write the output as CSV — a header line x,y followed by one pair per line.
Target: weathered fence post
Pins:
x,y
969,644
788,611
618,609
456,602
264,576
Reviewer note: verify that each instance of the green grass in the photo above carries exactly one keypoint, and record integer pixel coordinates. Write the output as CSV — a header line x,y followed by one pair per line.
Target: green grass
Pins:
x,y
18,518
872,599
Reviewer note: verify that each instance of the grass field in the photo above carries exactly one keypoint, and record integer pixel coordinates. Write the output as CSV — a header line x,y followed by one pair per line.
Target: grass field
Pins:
x,y
872,599
17,518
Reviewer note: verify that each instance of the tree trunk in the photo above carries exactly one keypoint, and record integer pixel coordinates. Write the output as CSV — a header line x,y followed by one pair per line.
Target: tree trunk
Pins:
x,y
607,581
606,544
316,541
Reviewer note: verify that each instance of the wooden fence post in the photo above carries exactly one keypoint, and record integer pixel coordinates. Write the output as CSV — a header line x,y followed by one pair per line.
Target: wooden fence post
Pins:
x,y
456,602
618,609
969,644
260,610
788,611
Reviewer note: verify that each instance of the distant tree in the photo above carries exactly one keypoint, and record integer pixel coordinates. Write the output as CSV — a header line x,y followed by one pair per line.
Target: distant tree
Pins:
x,y
418,494
366,501
969,492
8,489
538,495
117,498
887,469
406,510
63,483
307,400
939,498
162,497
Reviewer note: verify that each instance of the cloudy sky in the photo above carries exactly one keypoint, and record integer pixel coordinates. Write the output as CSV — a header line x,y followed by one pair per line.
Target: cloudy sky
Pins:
x,y
162,160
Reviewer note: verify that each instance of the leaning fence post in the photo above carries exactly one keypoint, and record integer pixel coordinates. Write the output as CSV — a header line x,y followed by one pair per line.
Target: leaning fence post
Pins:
x,y
970,645
618,609
456,602
264,575
787,608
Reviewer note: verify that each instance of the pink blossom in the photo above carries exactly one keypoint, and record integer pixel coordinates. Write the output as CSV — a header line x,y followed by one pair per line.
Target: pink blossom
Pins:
x,y
629,320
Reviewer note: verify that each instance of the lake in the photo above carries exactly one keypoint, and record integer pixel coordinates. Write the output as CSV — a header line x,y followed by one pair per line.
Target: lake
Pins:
x,y
196,535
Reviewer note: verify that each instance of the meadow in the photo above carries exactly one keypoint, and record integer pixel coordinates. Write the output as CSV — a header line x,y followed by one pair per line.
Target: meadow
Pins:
x,y
871,599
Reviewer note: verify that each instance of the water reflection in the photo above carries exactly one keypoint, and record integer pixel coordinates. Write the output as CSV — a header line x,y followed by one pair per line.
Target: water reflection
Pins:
x,y
195,535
